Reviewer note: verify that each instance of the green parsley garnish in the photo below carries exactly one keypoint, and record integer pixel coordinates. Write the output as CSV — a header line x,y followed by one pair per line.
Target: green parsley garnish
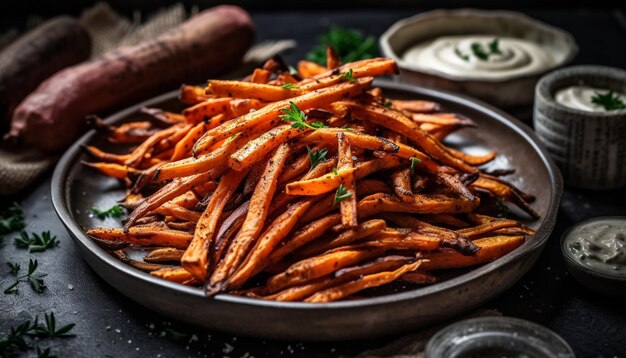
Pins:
x,y
479,52
494,46
346,128
292,70
12,219
17,339
289,86
35,280
610,101
347,76
350,45
298,118
461,55
316,156
231,138
341,194
15,268
388,104
114,212
503,210
413,162
335,171
36,243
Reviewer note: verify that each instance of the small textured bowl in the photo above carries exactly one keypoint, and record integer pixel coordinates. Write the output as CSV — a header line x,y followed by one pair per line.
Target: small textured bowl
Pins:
x,y
607,285
504,92
587,146
507,336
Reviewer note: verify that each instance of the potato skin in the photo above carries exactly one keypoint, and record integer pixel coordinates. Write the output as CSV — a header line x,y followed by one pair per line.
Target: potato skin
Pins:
x,y
48,48
212,42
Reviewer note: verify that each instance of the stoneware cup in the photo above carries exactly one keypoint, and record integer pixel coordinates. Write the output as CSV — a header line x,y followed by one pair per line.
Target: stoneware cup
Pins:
x,y
588,147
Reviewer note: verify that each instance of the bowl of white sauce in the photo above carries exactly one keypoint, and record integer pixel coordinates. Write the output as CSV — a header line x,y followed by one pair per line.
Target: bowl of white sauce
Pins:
x,y
594,252
497,56
580,115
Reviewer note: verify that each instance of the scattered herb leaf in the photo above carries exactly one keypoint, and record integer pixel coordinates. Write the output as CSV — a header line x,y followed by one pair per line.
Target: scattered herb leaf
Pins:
x,y
113,212
335,171
289,86
346,128
341,194
316,156
12,219
460,54
292,70
503,210
231,138
35,280
17,337
50,330
494,46
413,162
36,243
350,45
15,268
609,100
175,335
348,76
388,104
45,353
298,118
479,51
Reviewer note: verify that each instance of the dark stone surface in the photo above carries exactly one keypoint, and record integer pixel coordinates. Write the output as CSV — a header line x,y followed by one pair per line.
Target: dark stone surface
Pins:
x,y
110,324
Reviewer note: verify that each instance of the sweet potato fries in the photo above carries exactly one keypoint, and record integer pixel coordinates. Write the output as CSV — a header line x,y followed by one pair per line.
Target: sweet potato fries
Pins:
x,y
305,185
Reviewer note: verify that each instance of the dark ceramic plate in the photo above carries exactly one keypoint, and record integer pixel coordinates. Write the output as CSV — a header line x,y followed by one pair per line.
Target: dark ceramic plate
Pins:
x,y
75,189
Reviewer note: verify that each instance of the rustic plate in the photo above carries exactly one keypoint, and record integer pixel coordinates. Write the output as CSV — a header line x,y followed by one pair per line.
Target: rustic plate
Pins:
x,y
75,189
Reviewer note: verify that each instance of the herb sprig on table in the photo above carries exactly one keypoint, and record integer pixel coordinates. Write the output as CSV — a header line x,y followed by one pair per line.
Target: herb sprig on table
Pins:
x,y
350,44
36,243
35,280
12,219
609,100
19,338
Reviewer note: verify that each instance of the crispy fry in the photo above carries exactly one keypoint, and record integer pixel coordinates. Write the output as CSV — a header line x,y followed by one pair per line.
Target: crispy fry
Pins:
x,y
255,218
308,69
319,266
192,94
401,180
196,257
166,254
491,248
347,206
373,280
143,236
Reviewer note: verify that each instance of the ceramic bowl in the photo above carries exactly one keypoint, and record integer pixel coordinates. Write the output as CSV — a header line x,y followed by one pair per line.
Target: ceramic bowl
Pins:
x,y
507,92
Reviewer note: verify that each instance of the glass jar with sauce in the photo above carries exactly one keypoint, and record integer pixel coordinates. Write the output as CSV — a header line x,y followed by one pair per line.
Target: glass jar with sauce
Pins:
x,y
595,253
497,337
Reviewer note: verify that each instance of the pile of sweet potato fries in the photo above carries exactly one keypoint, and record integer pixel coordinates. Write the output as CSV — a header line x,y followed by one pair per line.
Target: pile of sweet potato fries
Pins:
x,y
304,184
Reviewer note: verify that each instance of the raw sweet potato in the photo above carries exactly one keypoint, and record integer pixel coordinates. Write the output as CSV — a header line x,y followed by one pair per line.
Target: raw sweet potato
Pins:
x,y
214,41
50,47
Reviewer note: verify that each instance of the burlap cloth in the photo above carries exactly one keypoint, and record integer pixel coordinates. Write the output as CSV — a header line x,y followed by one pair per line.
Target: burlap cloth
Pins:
x,y
20,167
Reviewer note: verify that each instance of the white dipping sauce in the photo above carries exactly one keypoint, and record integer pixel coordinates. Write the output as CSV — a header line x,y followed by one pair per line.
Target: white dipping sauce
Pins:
x,y
581,97
460,56
600,246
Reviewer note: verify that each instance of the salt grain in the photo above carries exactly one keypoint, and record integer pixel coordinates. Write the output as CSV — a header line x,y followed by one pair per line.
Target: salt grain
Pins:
x,y
70,286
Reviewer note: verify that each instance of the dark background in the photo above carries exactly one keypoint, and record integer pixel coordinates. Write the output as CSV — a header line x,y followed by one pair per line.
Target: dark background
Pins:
x,y
595,326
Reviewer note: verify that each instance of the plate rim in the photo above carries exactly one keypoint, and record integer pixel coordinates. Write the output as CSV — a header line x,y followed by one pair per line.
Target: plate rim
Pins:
x,y
60,201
